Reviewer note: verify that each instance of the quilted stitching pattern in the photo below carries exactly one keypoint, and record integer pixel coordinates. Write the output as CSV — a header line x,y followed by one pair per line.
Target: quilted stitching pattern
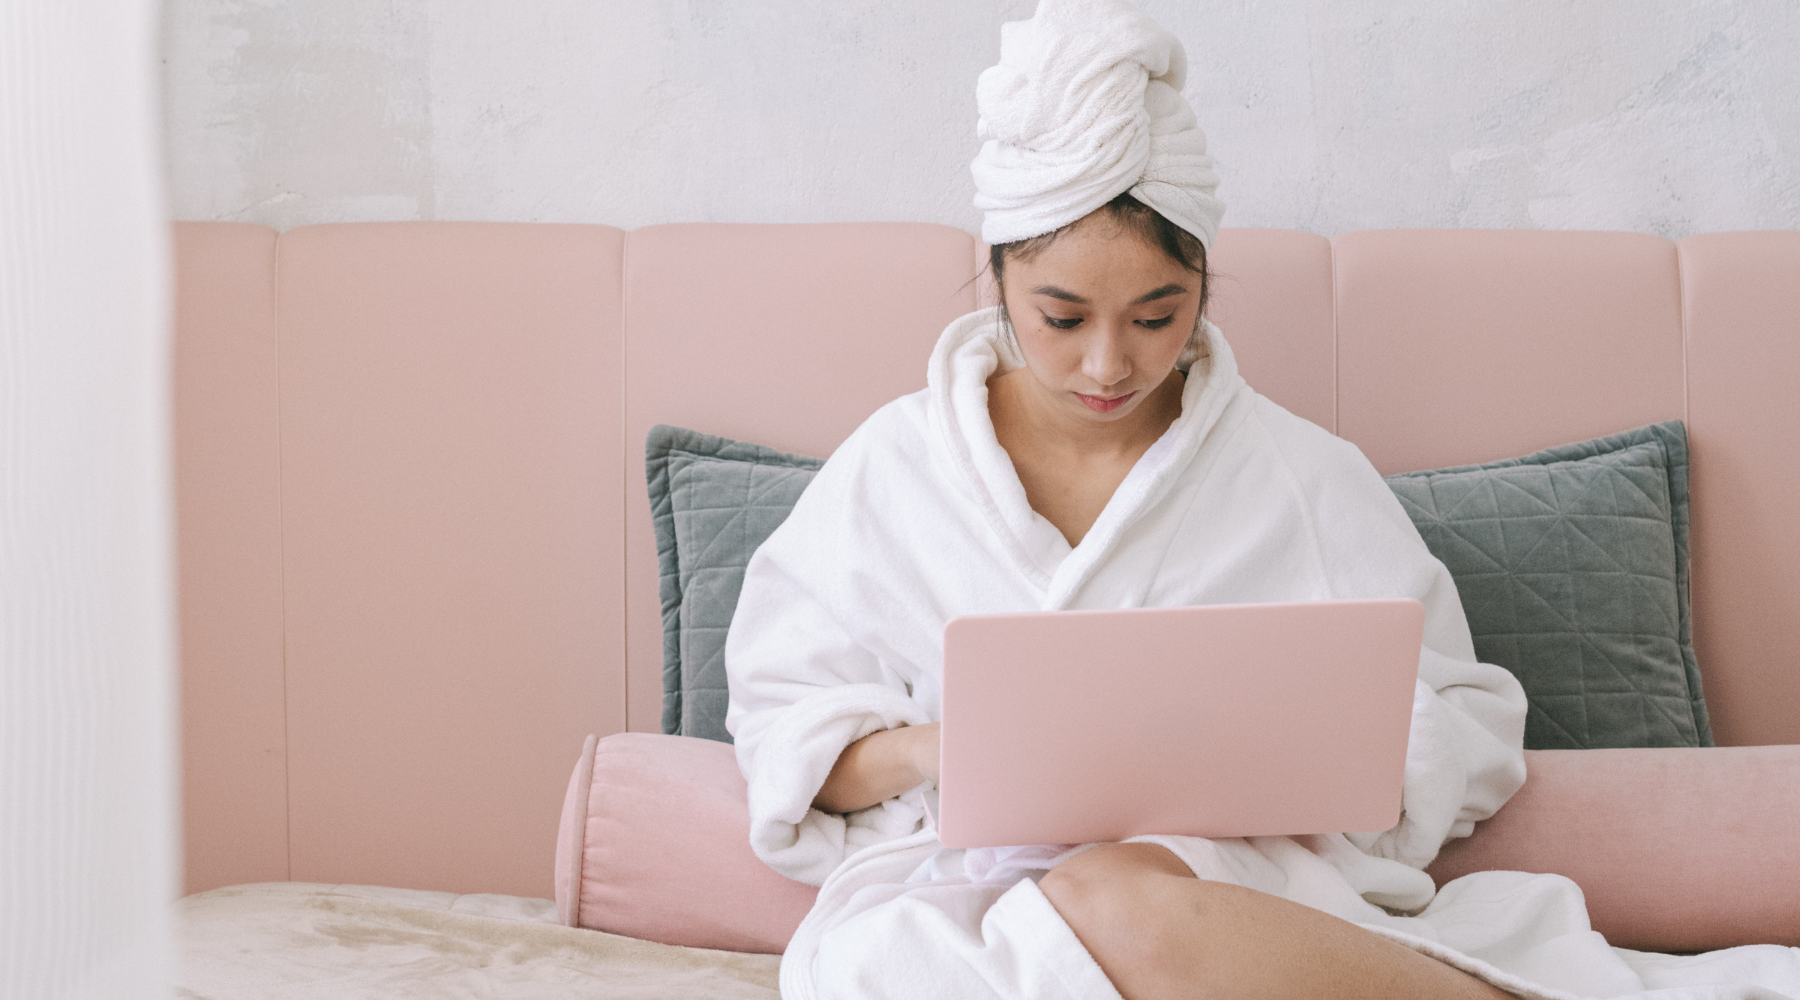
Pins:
x,y
1572,568
1571,564
714,501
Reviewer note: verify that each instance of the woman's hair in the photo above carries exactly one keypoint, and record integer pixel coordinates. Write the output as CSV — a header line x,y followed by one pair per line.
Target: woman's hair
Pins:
x,y
1181,246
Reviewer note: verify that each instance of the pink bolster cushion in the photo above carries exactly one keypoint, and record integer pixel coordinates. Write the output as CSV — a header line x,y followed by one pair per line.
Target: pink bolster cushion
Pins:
x,y
1676,850
655,844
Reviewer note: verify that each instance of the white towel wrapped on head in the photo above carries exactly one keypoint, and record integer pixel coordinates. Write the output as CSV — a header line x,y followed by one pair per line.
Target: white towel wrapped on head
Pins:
x,y
1084,105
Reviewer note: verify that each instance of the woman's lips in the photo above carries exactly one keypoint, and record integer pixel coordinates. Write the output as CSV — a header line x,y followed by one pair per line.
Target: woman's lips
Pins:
x,y
1100,404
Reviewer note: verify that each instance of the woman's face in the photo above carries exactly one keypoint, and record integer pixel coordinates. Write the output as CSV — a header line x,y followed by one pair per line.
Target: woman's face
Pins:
x,y
1101,317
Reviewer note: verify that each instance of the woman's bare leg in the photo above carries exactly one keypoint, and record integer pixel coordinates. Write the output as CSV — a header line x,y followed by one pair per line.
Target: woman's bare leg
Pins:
x,y
1160,933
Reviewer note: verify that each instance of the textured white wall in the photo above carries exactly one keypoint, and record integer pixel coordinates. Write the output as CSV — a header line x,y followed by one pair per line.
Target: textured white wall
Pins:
x,y
1663,116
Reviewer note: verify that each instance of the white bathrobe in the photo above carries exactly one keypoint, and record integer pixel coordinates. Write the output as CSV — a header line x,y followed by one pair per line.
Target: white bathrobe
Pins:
x,y
920,517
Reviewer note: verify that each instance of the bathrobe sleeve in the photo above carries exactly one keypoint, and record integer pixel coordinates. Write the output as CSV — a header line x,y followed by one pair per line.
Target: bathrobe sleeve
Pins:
x,y
1465,757
802,689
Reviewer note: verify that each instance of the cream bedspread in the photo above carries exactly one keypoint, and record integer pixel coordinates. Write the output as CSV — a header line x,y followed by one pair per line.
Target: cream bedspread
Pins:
x,y
293,940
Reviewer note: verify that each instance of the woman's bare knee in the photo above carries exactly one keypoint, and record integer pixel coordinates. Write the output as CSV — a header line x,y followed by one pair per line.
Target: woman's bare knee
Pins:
x,y
1105,885
1157,931
1134,907
1109,862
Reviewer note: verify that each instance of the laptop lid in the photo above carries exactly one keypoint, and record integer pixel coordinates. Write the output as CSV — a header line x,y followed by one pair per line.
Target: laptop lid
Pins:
x,y
1235,720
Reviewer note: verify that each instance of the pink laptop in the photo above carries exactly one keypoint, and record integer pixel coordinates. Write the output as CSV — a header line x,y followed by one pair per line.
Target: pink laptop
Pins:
x,y
1233,720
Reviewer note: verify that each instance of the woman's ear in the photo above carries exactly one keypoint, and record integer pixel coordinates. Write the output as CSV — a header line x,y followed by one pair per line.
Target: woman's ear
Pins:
x,y
1012,352
1196,347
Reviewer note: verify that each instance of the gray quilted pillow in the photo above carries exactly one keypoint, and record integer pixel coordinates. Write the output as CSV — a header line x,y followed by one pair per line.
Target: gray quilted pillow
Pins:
x,y
1572,567
714,500
1571,563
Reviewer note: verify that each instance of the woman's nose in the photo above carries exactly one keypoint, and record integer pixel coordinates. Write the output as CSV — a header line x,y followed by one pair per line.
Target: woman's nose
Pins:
x,y
1105,360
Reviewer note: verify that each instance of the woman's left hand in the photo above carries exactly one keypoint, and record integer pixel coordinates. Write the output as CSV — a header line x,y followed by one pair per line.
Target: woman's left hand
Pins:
x,y
880,766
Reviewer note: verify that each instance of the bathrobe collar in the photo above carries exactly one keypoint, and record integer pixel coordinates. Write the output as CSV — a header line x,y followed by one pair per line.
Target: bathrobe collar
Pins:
x,y
970,350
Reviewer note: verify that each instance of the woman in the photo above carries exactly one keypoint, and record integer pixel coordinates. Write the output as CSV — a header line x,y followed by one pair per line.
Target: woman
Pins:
x,y
1089,444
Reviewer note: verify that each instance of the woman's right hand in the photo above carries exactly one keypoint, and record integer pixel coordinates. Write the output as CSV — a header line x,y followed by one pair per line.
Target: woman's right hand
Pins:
x,y
880,766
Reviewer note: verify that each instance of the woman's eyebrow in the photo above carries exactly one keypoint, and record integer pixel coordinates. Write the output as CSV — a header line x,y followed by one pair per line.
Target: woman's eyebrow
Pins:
x,y
1068,296
1160,293
1058,293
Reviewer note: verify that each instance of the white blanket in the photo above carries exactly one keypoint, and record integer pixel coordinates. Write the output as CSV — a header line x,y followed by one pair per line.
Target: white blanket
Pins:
x,y
310,941
919,517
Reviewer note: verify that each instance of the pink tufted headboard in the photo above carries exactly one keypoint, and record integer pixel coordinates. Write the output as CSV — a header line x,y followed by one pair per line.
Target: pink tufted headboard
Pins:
x,y
416,559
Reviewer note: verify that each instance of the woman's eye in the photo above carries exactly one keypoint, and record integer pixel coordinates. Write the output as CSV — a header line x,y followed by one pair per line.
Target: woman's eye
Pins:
x,y
1062,324
1157,324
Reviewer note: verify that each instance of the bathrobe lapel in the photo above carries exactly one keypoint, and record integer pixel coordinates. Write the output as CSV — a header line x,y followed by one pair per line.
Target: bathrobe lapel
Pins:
x,y
960,366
